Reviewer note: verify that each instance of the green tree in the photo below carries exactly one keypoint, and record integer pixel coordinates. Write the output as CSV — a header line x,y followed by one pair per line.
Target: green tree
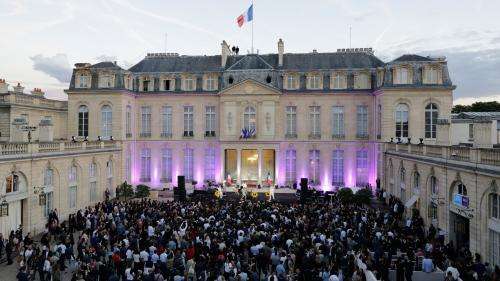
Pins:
x,y
142,191
345,195
479,106
125,190
363,196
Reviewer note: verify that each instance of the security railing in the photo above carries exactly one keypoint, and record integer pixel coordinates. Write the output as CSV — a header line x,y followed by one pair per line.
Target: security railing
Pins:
x,y
12,148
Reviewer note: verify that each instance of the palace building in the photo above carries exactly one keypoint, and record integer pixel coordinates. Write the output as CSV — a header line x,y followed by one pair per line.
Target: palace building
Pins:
x,y
340,119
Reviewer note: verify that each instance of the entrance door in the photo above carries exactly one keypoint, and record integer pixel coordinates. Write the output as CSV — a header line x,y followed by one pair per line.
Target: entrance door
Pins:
x,y
460,230
13,220
250,165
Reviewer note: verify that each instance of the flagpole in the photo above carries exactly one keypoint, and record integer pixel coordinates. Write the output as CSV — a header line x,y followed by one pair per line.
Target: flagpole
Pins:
x,y
252,24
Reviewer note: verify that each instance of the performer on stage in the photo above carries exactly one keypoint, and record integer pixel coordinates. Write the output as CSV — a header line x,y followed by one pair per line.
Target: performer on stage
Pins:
x,y
271,192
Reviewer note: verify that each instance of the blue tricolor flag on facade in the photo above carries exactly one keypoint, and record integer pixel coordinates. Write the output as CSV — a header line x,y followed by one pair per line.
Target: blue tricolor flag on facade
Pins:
x,y
247,16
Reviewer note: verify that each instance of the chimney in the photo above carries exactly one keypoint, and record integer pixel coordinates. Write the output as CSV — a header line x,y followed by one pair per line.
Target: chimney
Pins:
x,y
224,53
281,49
4,87
19,89
37,92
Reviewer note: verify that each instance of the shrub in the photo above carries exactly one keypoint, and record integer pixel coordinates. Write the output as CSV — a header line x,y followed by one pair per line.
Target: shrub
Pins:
x,y
142,191
125,190
363,196
345,195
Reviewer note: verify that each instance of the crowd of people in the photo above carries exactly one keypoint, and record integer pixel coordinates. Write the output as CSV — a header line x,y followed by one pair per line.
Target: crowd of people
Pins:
x,y
227,239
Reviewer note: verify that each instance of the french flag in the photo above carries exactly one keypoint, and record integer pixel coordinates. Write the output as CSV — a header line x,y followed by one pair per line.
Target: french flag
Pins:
x,y
247,16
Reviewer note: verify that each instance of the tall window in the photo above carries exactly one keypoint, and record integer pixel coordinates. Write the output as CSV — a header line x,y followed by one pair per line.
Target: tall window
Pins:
x,y
145,121
72,192
461,189
188,121
471,132
210,121
49,203
166,121
361,167
209,164
314,81
416,181
210,83
338,167
431,116
494,250
106,122
83,121
249,118
291,82
83,81
145,85
290,166
109,177
189,84
402,184
339,81
314,167
433,184
379,121
145,165
338,121
494,206
314,118
188,164
166,165
362,121
401,121
48,178
291,121
93,182
128,121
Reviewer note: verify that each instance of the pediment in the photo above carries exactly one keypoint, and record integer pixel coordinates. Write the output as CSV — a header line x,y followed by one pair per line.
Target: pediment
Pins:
x,y
250,87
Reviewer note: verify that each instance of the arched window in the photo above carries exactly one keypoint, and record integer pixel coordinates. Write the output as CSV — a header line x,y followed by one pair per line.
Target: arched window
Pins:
x,y
128,121
461,189
402,184
72,188
93,182
48,177
401,121
494,206
72,174
416,180
431,116
249,118
83,121
433,185
12,183
106,121
109,181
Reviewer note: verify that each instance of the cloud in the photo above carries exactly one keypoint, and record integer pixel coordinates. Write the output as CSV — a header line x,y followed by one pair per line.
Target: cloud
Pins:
x,y
102,58
56,66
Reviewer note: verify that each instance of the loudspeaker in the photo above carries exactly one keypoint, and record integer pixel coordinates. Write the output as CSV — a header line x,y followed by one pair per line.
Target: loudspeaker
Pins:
x,y
303,190
303,184
181,182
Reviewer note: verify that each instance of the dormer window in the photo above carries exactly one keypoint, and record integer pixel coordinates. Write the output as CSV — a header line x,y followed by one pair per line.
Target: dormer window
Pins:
x,y
168,85
145,85
403,76
82,81
339,81
431,75
106,81
361,81
210,83
189,84
314,81
291,82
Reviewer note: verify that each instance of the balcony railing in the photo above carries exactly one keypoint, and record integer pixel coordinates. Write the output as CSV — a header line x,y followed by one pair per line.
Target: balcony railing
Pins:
x,y
485,156
52,147
23,99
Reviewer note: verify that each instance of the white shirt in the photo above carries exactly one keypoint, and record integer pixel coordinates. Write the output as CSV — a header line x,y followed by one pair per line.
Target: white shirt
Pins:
x,y
151,231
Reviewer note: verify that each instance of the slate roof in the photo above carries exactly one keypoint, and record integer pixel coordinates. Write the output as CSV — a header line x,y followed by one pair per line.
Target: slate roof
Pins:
x,y
296,62
477,115
105,64
412,58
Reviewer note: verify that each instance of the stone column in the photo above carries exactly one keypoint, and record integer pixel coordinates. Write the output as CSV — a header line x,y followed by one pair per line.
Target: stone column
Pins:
x,y
238,165
276,166
259,180
222,162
